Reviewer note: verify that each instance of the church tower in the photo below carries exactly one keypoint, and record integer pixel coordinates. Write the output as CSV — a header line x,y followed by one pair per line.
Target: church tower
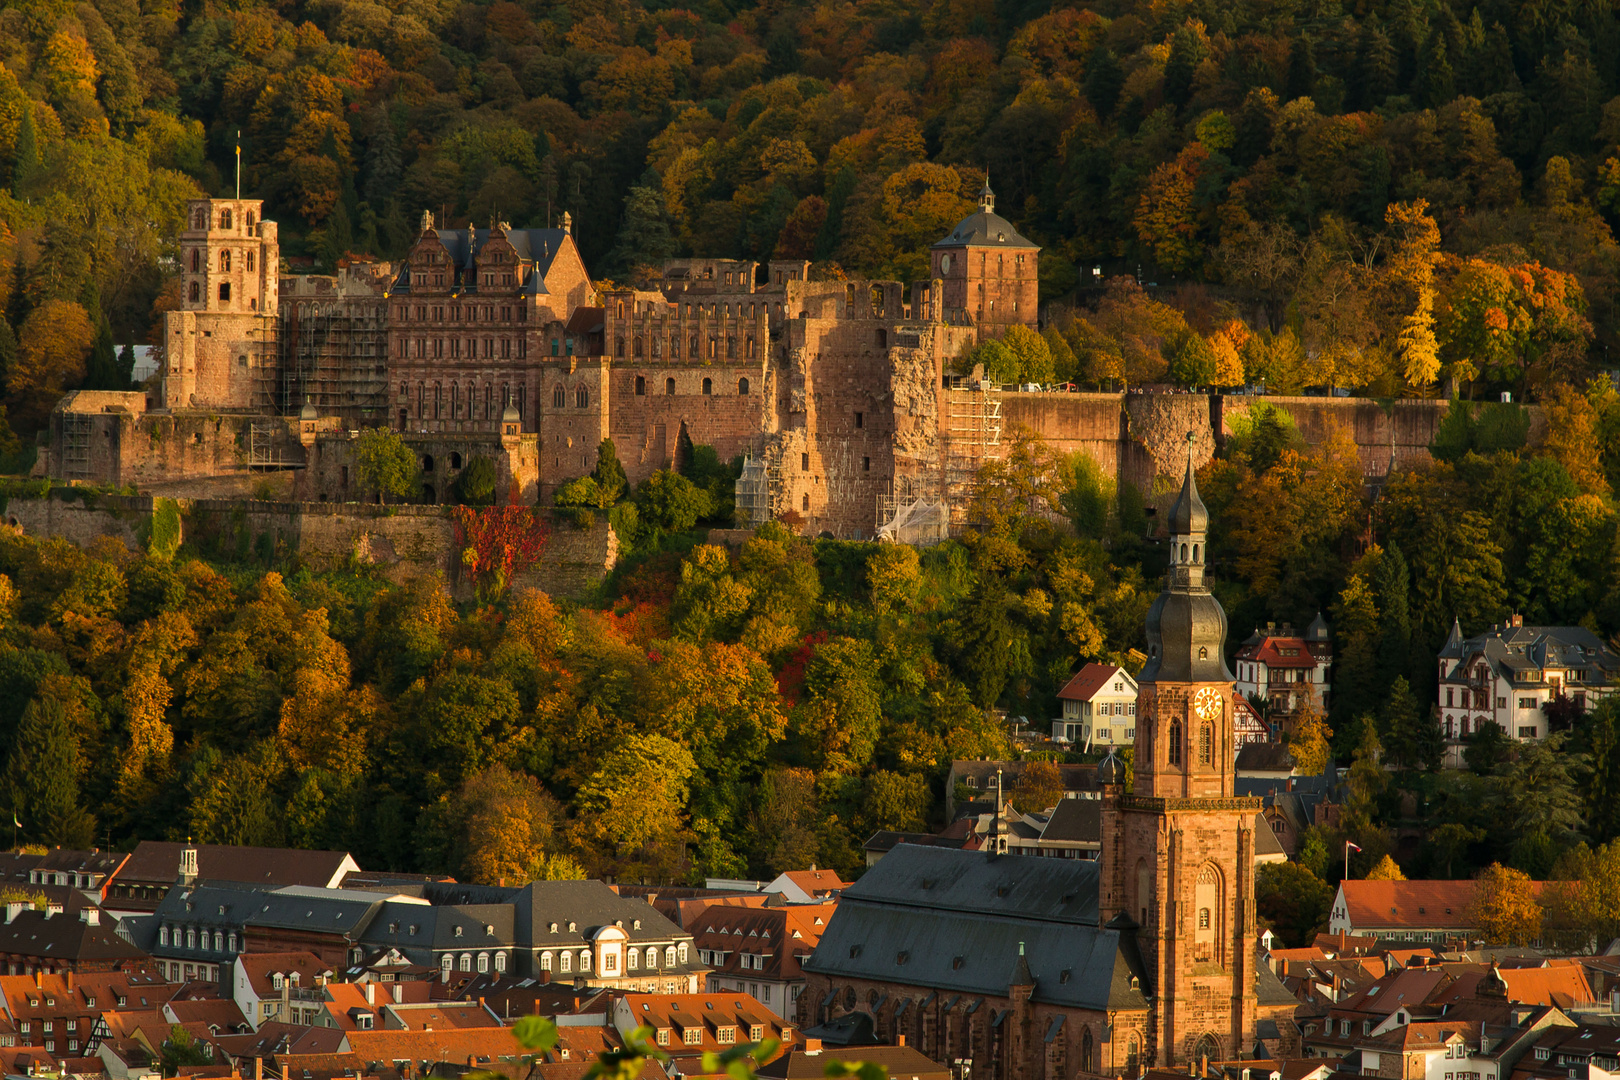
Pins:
x,y
1178,850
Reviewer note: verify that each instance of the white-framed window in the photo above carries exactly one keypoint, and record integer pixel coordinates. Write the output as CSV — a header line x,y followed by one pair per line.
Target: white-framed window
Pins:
x,y
652,959
632,959
466,961
163,935
500,963
692,1036
584,960
447,962
567,959
483,963
669,956
545,961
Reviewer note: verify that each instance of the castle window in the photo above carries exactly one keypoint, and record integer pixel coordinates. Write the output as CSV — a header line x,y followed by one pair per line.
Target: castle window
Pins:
x,y
559,398
657,345
225,261
641,385
224,219
555,347
196,261
199,219
249,257
804,462
582,398
618,347
196,292
742,387
749,349
860,420
807,502
1173,745
250,218
638,346
675,346
225,290
708,386
693,352
669,387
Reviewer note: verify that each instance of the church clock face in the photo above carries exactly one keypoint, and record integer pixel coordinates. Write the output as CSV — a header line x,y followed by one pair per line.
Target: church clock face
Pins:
x,y
1207,703
945,263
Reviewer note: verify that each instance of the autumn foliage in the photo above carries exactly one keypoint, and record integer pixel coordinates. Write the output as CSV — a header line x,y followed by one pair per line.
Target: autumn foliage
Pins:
x,y
498,543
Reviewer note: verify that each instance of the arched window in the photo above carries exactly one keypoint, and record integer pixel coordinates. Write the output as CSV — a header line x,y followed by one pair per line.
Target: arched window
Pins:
x,y
632,959
196,261
638,345
669,387
1183,552
224,219
669,956
1209,902
584,960
641,385
163,935
500,963
1206,744
219,941
619,347
1195,553
582,398
447,962
1086,1049
807,502
466,961
483,963
742,387
1173,743
1209,1049
199,219
545,961
1203,653
191,939
559,397
225,261
1133,1052
196,292
708,386
652,959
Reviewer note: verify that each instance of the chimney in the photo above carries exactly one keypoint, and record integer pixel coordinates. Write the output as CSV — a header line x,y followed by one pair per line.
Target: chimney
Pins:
x,y
90,916
399,993
812,1046
371,993
258,1068
69,976
39,979
1518,620
14,909
899,1040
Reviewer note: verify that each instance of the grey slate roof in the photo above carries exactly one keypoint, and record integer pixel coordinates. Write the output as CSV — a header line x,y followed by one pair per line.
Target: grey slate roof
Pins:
x,y
589,905
536,246
953,921
1508,649
1075,820
414,927
331,911
985,229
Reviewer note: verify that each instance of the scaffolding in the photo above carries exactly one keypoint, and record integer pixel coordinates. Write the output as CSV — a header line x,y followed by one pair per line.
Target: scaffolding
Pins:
x,y
265,440
973,437
77,429
754,493
333,355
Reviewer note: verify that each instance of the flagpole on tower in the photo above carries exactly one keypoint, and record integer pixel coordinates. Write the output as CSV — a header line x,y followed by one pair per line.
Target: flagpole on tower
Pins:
x,y
1348,846
238,164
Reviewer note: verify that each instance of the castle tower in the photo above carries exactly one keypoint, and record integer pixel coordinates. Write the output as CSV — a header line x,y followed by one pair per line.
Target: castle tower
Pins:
x,y
1178,851
219,348
988,270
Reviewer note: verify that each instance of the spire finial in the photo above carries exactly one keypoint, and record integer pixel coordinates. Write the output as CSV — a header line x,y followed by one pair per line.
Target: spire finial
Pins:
x,y
987,198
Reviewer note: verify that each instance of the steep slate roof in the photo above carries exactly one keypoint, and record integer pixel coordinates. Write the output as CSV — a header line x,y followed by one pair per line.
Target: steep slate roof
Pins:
x,y
404,925
1265,757
1509,649
1077,820
537,248
590,905
1091,679
330,911
64,937
908,916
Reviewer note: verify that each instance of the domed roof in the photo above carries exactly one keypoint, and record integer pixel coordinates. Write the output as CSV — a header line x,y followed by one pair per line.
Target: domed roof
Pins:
x,y
1110,770
986,228
1186,635
510,415
1188,515
308,412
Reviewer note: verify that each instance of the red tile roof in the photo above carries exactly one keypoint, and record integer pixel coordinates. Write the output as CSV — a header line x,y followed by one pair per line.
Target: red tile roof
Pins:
x,y
783,935
1269,651
1442,904
1563,985
260,969
816,882
1087,681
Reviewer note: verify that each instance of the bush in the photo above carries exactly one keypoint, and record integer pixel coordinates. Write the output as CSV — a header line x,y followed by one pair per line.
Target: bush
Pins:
x,y
476,484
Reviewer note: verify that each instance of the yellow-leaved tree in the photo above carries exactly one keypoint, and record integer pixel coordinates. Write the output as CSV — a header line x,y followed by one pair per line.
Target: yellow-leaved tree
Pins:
x,y
1505,909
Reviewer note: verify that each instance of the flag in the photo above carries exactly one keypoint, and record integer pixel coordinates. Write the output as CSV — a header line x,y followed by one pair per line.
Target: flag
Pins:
x,y
14,820
1352,847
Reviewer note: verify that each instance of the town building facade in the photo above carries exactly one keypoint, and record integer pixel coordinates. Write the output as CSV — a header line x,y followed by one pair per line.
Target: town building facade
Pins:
x,y
1284,670
1518,676
1099,708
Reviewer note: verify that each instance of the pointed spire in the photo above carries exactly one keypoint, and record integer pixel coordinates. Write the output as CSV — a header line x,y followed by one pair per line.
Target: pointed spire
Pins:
x,y
987,198
1454,640
1188,515
1021,975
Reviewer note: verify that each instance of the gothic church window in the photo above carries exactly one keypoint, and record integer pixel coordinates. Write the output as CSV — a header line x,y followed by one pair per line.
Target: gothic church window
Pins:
x,y
582,398
196,261
1173,746
559,397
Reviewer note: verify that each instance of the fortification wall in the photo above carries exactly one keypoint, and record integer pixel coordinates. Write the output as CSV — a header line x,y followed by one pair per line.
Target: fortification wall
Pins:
x,y
1387,436
322,535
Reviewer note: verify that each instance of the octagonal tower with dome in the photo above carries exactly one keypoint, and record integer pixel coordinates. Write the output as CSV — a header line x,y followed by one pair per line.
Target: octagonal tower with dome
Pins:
x,y
1177,860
